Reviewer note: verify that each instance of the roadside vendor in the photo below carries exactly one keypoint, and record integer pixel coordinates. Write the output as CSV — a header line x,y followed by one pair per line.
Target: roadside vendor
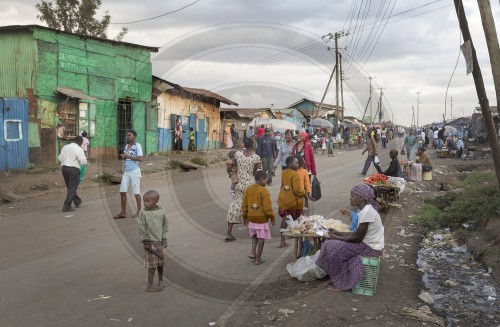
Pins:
x,y
340,254
450,144
394,168
423,158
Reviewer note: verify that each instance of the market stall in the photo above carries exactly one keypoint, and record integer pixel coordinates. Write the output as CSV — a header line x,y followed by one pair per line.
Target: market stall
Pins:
x,y
313,228
387,189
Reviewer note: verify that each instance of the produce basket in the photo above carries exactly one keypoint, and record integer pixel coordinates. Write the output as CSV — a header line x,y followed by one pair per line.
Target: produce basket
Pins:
x,y
368,284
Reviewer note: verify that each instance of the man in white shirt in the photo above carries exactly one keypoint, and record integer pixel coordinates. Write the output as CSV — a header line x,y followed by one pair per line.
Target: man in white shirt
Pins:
x,y
71,158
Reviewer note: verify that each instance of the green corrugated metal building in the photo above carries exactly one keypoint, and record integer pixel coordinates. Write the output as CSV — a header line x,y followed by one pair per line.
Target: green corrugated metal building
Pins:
x,y
77,83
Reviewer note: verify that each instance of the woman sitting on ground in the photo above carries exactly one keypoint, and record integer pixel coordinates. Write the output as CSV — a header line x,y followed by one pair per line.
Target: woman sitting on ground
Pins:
x,y
339,255
423,158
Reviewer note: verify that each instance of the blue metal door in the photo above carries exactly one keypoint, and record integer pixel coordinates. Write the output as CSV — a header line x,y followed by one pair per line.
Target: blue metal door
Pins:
x,y
13,133
3,146
201,135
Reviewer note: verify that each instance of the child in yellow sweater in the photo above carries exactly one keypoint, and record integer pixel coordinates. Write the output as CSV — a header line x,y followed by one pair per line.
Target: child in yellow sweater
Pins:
x,y
257,210
290,198
306,181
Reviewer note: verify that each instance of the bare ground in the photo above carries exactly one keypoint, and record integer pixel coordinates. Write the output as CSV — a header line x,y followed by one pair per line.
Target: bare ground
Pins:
x,y
310,304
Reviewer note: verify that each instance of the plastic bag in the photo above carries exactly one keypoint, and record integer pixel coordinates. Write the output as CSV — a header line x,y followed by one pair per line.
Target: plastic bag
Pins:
x,y
316,189
403,152
83,168
305,269
376,160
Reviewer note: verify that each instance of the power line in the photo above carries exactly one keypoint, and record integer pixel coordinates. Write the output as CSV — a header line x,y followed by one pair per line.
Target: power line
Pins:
x,y
162,15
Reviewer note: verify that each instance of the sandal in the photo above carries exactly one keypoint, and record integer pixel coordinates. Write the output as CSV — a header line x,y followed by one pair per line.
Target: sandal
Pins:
x,y
230,239
118,216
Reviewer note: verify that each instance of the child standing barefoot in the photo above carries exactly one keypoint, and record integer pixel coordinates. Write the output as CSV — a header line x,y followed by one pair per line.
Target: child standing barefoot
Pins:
x,y
153,228
257,210
232,170
290,199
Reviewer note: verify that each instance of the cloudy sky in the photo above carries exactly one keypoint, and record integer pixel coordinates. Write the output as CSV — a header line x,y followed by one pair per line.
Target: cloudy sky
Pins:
x,y
273,53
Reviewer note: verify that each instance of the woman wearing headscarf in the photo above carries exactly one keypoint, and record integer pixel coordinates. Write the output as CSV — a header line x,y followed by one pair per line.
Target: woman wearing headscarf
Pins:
x,y
304,149
340,255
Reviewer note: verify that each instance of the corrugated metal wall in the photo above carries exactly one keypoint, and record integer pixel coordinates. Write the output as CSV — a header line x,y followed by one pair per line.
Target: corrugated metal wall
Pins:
x,y
17,63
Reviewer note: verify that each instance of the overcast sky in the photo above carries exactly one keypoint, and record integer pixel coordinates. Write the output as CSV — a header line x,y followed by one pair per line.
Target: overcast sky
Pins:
x,y
262,53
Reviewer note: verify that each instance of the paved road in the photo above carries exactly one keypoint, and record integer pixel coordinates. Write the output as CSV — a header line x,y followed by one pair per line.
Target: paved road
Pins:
x,y
85,269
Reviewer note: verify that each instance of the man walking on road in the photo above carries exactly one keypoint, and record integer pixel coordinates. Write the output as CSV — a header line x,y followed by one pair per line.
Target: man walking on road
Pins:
x,y
72,158
267,151
132,175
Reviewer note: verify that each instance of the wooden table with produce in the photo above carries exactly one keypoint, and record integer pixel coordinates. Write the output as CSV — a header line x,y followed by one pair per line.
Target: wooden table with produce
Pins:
x,y
386,190
304,230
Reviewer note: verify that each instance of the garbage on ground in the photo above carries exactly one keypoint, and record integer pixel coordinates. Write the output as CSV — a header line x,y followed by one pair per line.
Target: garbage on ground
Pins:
x,y
426,297
425,315
285,312
449,272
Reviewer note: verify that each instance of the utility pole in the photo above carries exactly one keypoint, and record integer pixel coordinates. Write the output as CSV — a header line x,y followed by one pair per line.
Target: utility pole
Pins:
x,y
418,106
451,107
412,116
492,42
371,113
380,107
337,84
341,84
478,81
324,94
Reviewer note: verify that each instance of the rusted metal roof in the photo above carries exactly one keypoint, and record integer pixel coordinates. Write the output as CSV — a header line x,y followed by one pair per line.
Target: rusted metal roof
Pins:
x,y
32,27
73,93
161,85
211,94
248,112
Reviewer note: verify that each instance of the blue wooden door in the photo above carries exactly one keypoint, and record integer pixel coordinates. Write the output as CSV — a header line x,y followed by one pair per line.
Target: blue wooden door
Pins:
x,y
185,132
201,135
14,133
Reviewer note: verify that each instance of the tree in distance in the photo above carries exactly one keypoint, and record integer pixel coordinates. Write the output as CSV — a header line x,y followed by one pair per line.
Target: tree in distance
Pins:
x,y
76,17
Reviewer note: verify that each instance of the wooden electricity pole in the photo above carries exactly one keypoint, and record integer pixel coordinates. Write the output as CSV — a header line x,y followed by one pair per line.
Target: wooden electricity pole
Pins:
x,y
492,42
341,85
337,84
481,92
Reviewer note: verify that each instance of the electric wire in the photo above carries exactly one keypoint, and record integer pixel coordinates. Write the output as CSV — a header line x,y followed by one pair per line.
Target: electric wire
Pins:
x,y
162,15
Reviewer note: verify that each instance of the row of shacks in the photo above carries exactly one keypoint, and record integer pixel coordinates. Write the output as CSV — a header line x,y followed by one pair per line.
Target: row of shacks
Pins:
x,y
54,85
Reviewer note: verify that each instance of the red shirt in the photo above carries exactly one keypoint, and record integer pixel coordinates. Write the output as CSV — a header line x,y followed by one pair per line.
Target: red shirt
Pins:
x,y
308,156
260,131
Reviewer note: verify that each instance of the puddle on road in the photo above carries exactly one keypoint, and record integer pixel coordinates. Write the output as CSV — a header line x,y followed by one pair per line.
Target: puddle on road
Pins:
x,y
463,290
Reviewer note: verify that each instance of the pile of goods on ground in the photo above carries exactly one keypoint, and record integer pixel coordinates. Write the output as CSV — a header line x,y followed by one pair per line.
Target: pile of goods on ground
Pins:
x,y
314,225
383,180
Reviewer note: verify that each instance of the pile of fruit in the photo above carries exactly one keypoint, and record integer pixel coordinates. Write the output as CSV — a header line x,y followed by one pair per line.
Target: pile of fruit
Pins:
x,y
376,179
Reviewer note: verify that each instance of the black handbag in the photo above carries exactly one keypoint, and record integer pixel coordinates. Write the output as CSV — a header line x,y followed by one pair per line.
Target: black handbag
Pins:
x,y
316,189
403,152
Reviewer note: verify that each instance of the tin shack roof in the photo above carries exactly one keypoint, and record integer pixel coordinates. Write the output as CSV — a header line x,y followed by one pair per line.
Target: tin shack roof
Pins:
x,y
161,85
247,112
33,27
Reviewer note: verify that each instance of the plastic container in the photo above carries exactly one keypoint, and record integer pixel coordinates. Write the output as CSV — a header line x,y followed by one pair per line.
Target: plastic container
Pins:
x,y
427,175
368,284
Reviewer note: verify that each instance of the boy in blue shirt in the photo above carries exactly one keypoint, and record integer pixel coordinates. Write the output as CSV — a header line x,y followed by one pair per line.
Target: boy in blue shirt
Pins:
x,y
132,154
